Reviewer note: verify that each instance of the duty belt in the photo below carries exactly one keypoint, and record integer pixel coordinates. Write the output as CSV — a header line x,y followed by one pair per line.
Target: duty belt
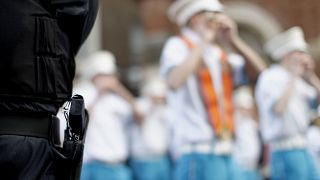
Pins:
x,y
25,125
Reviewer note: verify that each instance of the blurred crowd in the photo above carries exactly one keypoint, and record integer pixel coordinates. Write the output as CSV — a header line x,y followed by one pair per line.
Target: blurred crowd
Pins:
x,y
200,116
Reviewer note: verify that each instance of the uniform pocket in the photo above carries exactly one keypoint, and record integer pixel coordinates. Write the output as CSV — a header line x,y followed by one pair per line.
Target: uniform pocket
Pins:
x,y
52,78
46,29
52,69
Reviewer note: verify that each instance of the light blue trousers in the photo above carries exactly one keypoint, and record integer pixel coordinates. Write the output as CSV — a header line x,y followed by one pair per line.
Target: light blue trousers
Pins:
x,y
158,168
293,165
103,171
248,174
197,166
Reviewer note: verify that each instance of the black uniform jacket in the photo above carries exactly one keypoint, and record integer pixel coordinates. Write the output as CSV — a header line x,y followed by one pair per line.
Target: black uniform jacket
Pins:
x,y
38,42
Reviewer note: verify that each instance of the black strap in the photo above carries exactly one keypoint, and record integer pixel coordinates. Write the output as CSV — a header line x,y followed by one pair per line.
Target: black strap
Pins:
x,y
37,126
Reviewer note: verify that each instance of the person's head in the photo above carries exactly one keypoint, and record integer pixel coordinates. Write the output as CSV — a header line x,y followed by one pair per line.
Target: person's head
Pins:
x,y
298,61
199,15
243,99
244,104
155,89
203,19
100,68
290,49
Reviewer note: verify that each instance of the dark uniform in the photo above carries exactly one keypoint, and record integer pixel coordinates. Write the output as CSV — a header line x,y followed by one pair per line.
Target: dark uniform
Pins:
x,y
38,42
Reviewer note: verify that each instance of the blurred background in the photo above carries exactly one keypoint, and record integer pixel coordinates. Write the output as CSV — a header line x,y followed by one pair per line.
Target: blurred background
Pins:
x,y
135,30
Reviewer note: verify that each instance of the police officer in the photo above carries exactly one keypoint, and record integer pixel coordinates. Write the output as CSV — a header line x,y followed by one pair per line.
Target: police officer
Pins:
x,y
39,40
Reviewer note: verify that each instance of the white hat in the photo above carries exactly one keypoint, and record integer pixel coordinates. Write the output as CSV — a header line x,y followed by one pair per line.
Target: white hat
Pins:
x,y
154,87
182,10
286,42
243,98
101,62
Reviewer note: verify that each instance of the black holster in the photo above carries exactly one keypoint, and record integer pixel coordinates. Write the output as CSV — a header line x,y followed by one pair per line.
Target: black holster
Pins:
x,y
68,166
68,159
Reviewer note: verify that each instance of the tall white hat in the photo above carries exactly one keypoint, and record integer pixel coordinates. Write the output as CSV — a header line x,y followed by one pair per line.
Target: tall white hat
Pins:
x,y
286,42
101,62
182,10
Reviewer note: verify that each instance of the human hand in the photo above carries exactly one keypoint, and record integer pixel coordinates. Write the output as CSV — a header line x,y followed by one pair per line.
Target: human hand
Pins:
x,y
227,30
295,66
138,116
309,65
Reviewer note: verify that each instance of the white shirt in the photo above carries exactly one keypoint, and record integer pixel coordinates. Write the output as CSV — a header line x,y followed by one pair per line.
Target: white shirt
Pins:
x,y
313,136
247,144
295,119
151,138
188,124
106,138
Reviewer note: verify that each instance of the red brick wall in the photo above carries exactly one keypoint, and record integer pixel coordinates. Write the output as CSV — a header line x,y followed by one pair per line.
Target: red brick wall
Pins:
x,y
153,15
304,13
119,15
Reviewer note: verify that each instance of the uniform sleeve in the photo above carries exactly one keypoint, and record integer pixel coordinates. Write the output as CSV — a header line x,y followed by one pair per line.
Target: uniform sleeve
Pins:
x,y
267,93
124,110
173,54
90,19
269,90
77,18
308,91
70,7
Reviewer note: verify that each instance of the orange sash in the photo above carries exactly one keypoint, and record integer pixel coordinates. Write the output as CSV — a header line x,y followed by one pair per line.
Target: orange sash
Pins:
x,y
220,115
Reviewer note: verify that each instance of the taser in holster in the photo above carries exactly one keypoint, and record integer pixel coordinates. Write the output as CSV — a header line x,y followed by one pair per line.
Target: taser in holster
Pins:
x,y
77,120
70,155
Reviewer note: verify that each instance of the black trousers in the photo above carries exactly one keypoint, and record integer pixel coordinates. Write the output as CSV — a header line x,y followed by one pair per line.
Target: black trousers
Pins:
x,y
26,158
